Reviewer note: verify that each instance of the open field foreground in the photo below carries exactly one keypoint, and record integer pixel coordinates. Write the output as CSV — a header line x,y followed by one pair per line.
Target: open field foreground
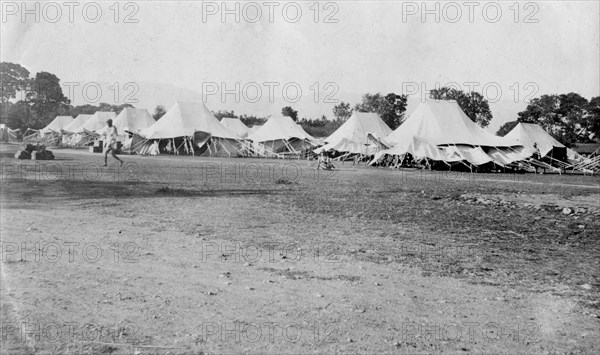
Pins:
x,y
185,255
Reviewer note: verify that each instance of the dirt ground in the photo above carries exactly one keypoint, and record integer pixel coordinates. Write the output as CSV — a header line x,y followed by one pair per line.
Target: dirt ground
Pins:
x,y
188,255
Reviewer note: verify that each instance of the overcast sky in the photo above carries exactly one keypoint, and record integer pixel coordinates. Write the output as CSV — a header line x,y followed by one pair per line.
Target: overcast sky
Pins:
x,y
360,46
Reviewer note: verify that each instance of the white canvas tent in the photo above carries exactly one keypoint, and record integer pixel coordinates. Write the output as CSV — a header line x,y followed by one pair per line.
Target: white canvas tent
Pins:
x,y
530,134
199,126
351,137
98,121
131,120
440,130
58,123
77,125
280,134
236,126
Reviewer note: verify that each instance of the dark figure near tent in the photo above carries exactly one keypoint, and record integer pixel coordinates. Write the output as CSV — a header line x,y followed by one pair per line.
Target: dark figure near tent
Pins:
x,y
536,153
110,143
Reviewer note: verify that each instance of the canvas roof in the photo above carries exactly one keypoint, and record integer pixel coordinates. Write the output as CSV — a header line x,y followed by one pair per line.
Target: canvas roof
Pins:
x,y
77,125
236,126
529,133
98,120
132,120
279,127
444,123
58,123
185,118
356,128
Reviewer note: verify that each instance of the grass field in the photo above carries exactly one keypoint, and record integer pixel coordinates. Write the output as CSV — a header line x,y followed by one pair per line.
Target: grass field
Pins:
x,y
196,255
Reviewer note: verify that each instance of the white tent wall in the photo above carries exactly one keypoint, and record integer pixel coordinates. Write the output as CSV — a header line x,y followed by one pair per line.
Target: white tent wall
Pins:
x,y
58,123
98,121
357,127
236,126
279,128
77,125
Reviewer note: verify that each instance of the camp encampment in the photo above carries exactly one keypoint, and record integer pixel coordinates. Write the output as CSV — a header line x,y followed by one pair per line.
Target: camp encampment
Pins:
x,y
236,126
352,136
441,131
201,131
280,135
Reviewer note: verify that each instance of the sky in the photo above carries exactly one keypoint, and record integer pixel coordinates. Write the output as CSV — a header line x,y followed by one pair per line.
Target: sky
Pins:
x,y
309,55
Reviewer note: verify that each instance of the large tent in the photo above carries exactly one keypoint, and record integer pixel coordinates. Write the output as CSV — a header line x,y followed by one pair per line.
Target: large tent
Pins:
x,y
280,134
351,137
198,126
236,126
440,130
58,123
530,134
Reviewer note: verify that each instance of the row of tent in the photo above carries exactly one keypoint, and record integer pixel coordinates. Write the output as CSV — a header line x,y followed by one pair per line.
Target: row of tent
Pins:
x,y
193,124
436,131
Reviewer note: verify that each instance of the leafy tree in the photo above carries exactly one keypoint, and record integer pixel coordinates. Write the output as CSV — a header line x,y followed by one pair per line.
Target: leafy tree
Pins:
x,y
159,111
220,114
507,127
104,107
13,78
46,98
473,104
390,108
567,117
251,121
592,119
342,111
290,112
320,127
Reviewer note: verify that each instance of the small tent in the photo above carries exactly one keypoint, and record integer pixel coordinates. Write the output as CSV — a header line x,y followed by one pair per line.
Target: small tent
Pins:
x,y
280,134
198,126
236,126
530,134
351,137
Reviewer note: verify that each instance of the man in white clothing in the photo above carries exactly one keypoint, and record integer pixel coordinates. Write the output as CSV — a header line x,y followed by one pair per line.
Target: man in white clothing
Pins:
x,y
110,143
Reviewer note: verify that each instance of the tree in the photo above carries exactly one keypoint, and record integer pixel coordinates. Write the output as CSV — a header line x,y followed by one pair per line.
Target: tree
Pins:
x,y
342,111
473,104
46,98
221,114
159,111
13,78
567,117
507,127
290,112
390,108
104,107
592,118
